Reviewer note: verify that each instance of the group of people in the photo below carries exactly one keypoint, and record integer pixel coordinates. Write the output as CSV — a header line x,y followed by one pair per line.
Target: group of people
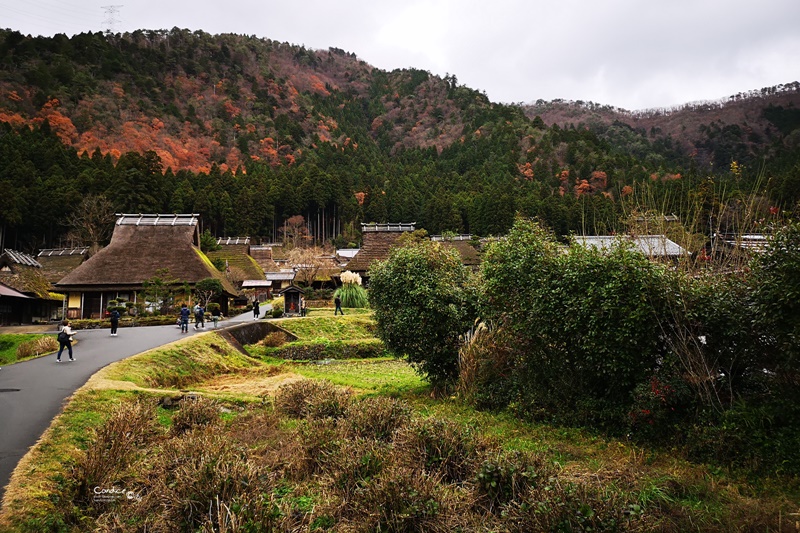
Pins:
x,y
199,317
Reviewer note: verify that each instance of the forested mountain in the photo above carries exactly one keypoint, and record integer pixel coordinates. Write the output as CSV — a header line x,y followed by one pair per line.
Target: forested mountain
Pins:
x,y
249,132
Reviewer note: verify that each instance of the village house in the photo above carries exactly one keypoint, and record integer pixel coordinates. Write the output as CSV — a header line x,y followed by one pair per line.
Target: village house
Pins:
x,y
465,245
23,274
376,242
656,247
142,248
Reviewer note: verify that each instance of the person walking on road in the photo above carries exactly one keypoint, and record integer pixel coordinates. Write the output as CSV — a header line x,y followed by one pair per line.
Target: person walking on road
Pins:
x,y
65,340
114,322
198,317
256,309
184,319
338,303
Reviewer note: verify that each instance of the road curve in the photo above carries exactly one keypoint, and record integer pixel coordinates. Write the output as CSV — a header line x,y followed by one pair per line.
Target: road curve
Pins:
x,y
32,392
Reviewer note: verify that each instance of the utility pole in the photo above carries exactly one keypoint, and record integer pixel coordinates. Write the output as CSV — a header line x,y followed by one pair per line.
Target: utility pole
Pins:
x,y
111,18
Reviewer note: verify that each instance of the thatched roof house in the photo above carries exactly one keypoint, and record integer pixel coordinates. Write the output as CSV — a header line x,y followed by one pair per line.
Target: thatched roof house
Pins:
x,y
23,273
376,241
465,245
142,247
58,262
234,252
262,254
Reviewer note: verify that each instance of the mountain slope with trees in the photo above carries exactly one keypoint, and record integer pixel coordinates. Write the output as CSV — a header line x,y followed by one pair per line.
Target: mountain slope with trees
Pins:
x,y
250,132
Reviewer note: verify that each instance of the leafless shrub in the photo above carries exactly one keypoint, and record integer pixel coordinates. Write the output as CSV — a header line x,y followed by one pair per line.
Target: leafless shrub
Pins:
x,y
441,447
130,427
400,500
312,399
376,417
199,479
274,339
194,412
38,346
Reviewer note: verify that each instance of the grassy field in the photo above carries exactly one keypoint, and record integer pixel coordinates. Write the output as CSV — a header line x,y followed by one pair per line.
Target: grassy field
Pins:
x,y
252,445
9,344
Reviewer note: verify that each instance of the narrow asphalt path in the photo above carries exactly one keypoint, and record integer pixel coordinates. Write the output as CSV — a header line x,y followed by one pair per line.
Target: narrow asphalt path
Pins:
x,y
32,392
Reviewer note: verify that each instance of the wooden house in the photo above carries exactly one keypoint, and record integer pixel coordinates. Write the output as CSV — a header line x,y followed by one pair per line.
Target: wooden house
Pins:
x,y
13,306
142,247
24,274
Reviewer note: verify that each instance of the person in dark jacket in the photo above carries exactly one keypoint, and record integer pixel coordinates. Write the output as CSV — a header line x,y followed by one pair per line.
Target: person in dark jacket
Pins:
x,y
338,303
114,322
184,319
256,309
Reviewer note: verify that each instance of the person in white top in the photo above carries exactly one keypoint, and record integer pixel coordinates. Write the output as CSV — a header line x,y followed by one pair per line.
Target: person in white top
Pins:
x,y
65,340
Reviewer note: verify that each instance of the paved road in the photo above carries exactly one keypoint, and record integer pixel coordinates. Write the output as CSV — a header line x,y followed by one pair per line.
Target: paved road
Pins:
x,y
33,392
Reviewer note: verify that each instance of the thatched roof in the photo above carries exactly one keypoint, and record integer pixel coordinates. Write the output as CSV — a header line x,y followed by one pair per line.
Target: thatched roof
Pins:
x,y
262,254
236,254
141,246
377,240
58,262
24,274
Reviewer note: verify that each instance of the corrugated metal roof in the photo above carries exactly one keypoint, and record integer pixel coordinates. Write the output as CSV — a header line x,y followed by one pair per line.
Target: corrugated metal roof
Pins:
x,y
156,219
280,276
8,292
21,258
347,252
251,283
649,245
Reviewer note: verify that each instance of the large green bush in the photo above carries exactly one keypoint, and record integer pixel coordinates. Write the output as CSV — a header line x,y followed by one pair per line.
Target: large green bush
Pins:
x,y
424,301
584,324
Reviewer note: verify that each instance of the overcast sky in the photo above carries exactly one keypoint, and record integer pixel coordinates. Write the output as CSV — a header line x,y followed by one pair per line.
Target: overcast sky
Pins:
x,y
633,54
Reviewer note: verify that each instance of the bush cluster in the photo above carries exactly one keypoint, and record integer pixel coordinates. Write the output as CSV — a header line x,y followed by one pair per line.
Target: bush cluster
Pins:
x,y
614,341
370,466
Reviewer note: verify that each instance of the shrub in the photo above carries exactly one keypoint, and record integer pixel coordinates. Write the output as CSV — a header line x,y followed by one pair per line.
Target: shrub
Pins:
x,y
356,463
316,351
129,427
424,301
400,500
204,480
194,412
559,506
37,346
274,339
376,417
584,325
312,399
509,476
352,295
441,447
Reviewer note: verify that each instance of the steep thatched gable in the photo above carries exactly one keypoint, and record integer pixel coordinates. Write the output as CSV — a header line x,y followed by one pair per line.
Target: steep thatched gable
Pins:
x,y
58,262
140,249
377,241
